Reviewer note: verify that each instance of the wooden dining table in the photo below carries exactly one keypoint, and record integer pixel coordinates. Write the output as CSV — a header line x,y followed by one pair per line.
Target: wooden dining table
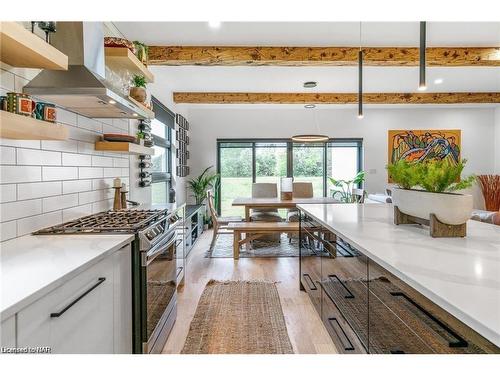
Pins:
x,y
250,203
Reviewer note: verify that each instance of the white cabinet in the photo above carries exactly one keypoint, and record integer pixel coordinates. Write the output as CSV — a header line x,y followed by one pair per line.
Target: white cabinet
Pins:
x,y
8,333
90,313
122,294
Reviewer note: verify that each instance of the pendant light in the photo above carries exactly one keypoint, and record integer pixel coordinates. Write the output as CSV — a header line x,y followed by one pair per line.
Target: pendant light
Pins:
x,y
422,86
360,77
311,138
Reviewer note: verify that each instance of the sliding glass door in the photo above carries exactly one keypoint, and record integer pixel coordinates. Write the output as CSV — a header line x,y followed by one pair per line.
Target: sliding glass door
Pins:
x,y
244,161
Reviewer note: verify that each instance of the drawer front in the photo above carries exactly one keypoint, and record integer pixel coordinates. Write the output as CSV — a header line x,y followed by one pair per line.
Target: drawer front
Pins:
x,y
345,339
77,317
8,332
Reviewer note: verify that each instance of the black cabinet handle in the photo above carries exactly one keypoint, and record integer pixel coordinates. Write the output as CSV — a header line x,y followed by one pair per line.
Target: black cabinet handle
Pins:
x,y
310,281
350,295
100,280
460,341
342,337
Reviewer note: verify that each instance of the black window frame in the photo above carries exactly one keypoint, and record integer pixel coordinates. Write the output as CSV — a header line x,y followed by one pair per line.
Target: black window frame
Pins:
x,y
166,143
289,146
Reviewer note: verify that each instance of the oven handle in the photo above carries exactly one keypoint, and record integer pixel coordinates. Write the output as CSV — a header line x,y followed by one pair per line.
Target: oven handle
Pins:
x,y
151,255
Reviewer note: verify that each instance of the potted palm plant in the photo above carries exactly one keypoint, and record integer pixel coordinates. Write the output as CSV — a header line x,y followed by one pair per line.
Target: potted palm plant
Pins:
x,y
200,185
431,188
344,194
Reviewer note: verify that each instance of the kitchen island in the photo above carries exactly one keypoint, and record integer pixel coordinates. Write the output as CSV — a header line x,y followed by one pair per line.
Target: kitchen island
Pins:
x,y
444,292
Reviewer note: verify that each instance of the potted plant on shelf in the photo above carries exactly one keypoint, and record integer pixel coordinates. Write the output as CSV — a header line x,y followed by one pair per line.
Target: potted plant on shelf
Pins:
x,y
141,51
427,190
345,193
138,90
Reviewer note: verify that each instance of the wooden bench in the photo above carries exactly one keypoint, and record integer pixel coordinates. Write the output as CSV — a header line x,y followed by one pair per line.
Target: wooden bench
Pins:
x,y
255,230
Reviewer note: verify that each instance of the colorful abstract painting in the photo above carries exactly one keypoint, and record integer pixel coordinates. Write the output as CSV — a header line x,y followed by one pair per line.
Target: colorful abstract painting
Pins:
x,y
421,145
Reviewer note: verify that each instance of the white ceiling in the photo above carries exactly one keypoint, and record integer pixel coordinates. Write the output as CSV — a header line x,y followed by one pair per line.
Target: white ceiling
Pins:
x,y
330,79
312,33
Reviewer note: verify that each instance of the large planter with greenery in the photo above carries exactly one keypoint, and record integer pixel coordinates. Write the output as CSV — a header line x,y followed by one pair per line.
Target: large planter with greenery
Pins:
x,y
430,188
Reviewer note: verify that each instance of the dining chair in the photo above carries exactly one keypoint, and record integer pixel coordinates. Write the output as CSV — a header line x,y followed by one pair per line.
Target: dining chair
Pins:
x,y
300,190
265,190
220,224
358,195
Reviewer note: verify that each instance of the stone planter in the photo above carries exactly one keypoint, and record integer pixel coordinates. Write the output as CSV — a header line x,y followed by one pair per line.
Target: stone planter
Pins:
x,y
449,208
138,93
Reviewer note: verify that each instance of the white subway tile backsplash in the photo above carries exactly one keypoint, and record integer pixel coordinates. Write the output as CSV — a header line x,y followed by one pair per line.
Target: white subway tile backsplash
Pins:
x,y
43,183
37,157
38,190
59,202
89,124
112,172
8,230
91,196
19,143
64,146
66,117
90,172
20,209
102,161
8,193
7,155
59,173
76,160
76,212
76,186
118,162
34,223
15,173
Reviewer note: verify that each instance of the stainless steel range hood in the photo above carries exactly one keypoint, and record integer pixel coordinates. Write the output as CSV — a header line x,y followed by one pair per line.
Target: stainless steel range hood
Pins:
x,y
82,88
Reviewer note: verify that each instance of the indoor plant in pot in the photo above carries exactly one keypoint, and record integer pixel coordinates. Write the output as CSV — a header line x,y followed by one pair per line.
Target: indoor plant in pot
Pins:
x,y
427,190
345,193
201,184
138,90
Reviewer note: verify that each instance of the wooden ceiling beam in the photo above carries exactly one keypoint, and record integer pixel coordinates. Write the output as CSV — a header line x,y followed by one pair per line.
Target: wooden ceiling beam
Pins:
x,y
321,56
336,98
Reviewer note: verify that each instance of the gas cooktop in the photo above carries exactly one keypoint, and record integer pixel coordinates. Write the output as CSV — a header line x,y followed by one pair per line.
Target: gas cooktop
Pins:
x,y
123,221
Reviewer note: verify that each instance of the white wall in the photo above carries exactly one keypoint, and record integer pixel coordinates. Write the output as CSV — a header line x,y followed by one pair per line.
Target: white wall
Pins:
x,y
477,125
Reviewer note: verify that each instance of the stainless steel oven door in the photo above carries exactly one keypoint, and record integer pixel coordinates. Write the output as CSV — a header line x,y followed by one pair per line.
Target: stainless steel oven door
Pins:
x,y
160,291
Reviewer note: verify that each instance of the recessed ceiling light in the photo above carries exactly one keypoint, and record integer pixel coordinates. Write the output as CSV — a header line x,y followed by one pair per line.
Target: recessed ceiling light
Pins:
x,y
112,101
310,106
135,114
438,81
214,24
310,84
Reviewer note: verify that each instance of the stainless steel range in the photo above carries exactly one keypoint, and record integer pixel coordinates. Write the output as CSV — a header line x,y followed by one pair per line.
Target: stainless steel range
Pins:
x,y
153,267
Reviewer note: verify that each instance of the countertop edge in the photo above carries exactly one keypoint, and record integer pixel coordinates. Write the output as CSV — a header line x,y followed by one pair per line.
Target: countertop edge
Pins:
x,y
460,315
45,289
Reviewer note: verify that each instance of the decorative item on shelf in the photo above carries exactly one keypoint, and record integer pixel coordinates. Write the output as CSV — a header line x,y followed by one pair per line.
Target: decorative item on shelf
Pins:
x,y
436,204
182,154
117,203
138,90
120,43
141,51
490,186
23,104
140,137
342,189
286,187
117,137
123,194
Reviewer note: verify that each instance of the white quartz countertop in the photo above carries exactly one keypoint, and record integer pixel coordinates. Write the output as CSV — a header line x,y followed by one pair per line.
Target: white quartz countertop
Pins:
x,y
32,266
462,275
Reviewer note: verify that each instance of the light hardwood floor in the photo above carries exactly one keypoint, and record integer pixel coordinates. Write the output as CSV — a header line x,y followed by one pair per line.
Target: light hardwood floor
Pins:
x,y
306,331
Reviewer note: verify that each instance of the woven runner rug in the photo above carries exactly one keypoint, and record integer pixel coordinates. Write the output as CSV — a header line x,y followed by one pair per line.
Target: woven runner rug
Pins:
x,y
238,317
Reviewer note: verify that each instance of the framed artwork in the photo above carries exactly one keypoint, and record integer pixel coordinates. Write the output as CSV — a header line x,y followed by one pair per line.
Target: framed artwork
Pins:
x,y
421,145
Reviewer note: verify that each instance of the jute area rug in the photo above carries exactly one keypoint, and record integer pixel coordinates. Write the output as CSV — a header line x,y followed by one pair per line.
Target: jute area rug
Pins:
x,y
238,317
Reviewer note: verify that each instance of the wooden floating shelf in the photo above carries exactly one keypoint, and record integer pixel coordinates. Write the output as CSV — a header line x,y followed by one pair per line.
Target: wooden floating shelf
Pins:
x,y
130,148
23,49
14,126
149,112
120,59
